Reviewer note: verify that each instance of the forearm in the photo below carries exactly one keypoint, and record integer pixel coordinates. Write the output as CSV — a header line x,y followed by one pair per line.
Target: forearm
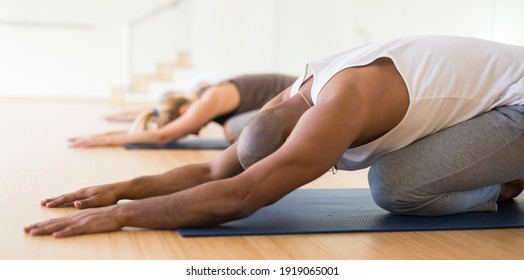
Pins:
x,y
147,137
172,181
208,204
225,165
214,202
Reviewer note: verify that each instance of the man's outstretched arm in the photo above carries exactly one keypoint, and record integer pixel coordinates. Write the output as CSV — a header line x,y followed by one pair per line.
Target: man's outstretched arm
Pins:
x,y
309,152
314,145
151,208
223,166
341,119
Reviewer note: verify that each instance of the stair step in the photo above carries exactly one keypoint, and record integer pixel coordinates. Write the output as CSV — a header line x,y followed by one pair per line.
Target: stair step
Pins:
x,y
183,59
159,88
140,83
150,88
164,71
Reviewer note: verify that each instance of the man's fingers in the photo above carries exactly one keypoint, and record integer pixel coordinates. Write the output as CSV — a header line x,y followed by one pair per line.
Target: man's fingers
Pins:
x,y
93,201
27,229
63,199
47,200
69,231
84,203
58,201
85,221
47,228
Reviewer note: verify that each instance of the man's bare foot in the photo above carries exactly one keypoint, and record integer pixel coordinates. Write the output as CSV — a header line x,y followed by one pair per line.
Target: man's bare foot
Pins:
x,y
511,189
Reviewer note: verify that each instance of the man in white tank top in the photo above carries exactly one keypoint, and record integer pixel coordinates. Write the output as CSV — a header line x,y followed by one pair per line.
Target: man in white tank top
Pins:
x,y
439,119
448,80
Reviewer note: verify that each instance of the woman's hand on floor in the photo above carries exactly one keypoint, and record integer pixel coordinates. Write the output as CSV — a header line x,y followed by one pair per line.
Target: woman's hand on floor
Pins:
x,y
97,140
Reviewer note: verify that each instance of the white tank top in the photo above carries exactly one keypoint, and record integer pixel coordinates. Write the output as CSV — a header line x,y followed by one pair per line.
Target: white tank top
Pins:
x,y
449,80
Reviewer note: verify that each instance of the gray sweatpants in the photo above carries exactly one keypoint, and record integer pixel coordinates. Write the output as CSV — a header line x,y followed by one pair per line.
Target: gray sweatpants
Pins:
x,y
455,170
236,123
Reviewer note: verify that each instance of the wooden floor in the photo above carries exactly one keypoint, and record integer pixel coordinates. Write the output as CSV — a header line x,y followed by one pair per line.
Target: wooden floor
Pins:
x,y
36,163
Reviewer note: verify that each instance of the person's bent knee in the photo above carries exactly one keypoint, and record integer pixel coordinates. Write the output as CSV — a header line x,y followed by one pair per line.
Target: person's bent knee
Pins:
x,y
383,189
390,192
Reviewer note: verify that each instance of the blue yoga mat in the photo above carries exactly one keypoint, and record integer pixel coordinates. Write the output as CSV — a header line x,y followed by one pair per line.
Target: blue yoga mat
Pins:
x,y
187,144
353,210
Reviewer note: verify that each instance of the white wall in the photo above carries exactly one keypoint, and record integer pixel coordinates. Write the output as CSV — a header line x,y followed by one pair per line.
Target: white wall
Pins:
x,y
56,61
68,48
73,48
281,35
508,21
234,35
322,28
161,37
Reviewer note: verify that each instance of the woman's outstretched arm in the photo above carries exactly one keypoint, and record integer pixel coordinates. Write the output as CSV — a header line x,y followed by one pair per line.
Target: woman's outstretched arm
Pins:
x,y
216,101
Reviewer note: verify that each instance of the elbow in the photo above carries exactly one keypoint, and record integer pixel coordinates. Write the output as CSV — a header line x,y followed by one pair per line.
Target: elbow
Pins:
x,y
246,207
234,210
243,210
233,202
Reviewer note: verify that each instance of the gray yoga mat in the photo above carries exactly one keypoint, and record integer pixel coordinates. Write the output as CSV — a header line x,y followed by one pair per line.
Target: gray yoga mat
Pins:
x,y
186,143
352,210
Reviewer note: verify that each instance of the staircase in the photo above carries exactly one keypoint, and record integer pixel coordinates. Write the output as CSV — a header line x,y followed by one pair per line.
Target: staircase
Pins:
x,y
148,88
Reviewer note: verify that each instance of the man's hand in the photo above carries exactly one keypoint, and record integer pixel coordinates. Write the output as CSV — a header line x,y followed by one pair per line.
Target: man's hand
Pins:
x,y
86,221
96,196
